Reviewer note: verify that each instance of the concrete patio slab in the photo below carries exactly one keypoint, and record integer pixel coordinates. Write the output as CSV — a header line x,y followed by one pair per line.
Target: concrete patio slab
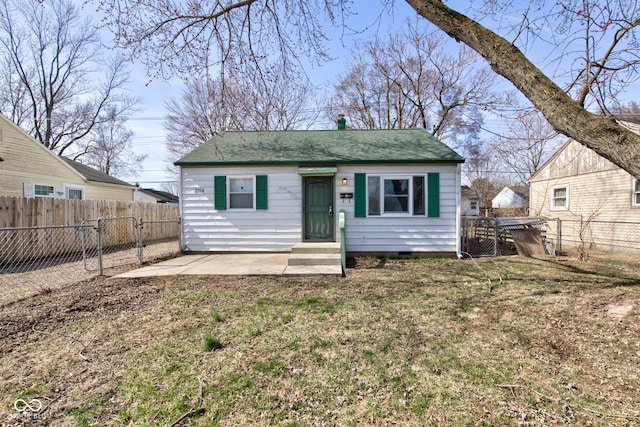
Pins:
x,y
271,264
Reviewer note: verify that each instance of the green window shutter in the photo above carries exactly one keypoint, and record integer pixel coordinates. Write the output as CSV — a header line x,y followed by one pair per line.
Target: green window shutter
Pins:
x,y
262,194
433,195
360,196
220,193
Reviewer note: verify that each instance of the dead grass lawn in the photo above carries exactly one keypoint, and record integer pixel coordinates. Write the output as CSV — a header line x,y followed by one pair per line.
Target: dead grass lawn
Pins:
x,y
506,341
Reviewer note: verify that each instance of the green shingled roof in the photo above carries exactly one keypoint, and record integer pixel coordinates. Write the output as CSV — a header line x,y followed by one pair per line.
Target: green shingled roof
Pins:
x,y
321,147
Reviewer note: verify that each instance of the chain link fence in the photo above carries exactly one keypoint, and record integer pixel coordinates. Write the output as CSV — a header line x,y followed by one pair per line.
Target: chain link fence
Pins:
x,y
488,236
493,236
587,239
35,260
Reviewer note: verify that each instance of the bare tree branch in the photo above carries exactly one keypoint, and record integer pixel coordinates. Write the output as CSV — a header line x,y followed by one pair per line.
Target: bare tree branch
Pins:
x,y
55,75
602,134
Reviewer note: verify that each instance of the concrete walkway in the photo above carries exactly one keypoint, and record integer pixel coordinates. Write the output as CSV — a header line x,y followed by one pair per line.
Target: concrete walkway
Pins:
x,y
272,264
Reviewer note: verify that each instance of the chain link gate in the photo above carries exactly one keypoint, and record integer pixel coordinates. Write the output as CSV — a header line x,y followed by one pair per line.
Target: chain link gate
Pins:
x,y
111,242
494,236
479,237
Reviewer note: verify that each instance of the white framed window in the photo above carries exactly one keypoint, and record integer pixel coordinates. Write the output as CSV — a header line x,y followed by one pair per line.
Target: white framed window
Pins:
x,y
74,192
560,197
396,195
40,190
635,193
241,192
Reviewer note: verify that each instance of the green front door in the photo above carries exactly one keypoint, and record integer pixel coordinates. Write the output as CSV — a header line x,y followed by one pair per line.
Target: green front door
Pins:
x,y
318,208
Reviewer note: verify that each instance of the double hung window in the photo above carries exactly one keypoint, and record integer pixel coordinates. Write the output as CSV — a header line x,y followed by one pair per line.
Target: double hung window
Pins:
x,y
396,195
241,194
560,198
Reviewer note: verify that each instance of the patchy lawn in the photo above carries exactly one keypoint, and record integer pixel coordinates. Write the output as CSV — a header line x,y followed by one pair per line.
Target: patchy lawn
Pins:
x,y
506,341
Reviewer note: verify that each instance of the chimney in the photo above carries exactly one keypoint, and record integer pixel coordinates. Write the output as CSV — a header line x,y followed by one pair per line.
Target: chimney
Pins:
x,y
342,122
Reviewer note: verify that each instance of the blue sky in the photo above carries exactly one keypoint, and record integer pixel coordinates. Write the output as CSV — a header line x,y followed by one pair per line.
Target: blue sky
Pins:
x,y
147,123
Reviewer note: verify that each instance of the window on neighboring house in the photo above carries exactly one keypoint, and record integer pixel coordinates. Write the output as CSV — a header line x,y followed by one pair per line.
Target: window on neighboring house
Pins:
x,y
396,195
560,197
636,193
43,190
241,193
74,193
474,205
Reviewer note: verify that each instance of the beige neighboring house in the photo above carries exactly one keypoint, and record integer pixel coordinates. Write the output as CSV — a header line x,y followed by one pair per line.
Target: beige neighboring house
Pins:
x,y
588,193
29,169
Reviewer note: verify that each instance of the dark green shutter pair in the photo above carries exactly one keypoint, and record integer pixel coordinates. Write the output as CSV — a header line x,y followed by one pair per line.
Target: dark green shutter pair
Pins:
x,y
220,192
433,195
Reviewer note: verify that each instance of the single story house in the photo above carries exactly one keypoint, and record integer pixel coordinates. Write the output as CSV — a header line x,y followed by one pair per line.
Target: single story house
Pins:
x,y
151,195
29,169
470,201
511,198
267,191
589,194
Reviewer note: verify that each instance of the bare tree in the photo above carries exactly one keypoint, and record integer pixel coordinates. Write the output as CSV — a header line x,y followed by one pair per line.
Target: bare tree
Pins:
x,y
528,143
109,148
414,79
57,85
608,32
174,36
482,171
276,100
194,117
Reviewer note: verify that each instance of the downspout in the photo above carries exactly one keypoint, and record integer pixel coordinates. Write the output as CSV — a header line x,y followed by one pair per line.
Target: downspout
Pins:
x,y
458,210
181,245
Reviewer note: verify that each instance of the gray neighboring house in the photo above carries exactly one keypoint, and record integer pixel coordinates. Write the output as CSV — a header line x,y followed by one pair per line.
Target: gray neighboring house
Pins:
x,y
150,195
267,191
470,202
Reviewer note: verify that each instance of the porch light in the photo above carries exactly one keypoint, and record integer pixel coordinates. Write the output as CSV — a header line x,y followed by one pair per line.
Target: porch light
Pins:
x,y
344,181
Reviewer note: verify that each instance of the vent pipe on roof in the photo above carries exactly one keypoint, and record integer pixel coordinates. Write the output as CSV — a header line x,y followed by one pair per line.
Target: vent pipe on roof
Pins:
x,y
342,122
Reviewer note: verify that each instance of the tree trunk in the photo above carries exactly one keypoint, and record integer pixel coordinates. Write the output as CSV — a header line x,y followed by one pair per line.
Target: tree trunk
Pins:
x,y
600,133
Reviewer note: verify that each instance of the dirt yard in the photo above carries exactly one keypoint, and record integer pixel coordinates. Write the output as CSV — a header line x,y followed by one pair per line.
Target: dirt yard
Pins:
x,y
506,341
19,285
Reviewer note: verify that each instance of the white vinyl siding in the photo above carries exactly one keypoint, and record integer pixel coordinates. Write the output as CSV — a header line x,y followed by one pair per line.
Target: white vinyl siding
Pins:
x,y
275,229
279,227
414,234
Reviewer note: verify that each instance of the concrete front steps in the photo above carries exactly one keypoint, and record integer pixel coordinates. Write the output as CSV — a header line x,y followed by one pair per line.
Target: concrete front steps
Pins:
x,y
315,258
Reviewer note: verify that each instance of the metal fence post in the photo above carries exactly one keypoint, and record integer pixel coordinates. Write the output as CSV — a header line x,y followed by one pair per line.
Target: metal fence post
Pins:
x,y
140,236
99,243
559,236
495,237
180,236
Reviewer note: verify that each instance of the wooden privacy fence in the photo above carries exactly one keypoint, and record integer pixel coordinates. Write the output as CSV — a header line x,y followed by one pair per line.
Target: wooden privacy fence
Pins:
x,y
51,230
41,227
44,212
